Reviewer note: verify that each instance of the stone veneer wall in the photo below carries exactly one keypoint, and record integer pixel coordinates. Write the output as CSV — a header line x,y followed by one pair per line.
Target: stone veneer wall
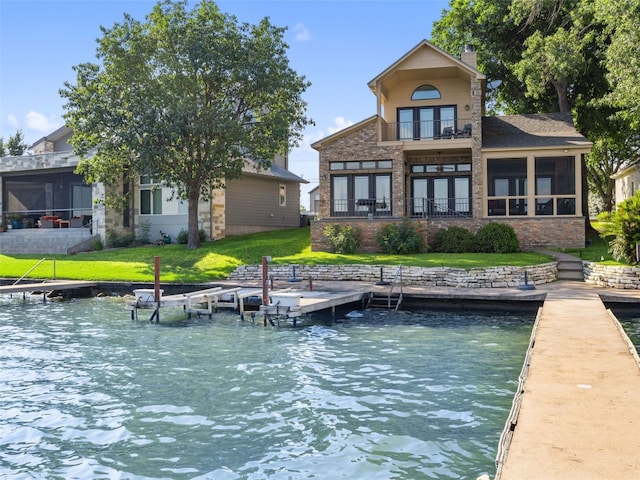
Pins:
x,y
494,277
559,232
612,276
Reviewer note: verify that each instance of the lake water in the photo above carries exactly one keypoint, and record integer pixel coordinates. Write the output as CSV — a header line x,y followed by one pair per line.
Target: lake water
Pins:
x,y
87,393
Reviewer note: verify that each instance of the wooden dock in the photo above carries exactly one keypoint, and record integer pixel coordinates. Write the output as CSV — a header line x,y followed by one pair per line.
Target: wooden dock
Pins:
x,y
294,304
286,303
45,287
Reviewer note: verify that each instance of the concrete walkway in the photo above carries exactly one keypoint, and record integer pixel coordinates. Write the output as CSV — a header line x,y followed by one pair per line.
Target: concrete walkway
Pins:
x,y
580,411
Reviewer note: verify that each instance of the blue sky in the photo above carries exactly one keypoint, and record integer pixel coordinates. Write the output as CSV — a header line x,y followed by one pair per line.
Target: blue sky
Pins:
x,y
337,45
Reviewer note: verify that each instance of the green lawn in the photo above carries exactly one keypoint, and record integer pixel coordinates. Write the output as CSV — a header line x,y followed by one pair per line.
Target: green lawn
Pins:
x,y
216,260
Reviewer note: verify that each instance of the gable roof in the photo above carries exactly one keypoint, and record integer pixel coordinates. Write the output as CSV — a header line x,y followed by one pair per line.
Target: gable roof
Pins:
x,y
444,61
345,131
537,130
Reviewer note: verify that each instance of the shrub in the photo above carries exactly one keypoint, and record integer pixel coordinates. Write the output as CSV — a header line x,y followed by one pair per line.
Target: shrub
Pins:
x,y
117,239
145,229
626,228
183,236
454,240
343,239
497,238
605,217
400,239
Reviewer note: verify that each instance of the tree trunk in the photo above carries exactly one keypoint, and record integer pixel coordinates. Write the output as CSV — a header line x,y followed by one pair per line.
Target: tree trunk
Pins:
x,y
563,98
193,197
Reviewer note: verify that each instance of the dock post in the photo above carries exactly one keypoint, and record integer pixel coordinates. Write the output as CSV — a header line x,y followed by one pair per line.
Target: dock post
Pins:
x,y
156,291
293,278
382,281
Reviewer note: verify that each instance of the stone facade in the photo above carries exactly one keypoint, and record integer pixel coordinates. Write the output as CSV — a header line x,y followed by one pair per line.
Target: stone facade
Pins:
x,y
557,232
360,143
610,276
494,277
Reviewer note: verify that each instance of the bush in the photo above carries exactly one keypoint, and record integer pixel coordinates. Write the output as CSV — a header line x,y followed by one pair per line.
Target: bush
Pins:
x,y
626,228
400,239
497,238
117,239
183,236
604,217
345,239
454,240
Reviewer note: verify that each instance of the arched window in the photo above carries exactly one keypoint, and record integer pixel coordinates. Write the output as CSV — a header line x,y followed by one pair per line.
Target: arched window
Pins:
x,y
425,92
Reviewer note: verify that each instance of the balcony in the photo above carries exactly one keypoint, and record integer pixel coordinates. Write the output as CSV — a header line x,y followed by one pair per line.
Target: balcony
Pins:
x,y
415,208
427,130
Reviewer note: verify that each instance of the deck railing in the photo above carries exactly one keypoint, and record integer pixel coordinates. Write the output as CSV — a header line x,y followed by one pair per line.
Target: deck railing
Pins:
x,y
415,208
427,130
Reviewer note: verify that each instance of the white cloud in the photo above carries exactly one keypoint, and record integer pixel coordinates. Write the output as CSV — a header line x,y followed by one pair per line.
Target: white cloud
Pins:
x,y
302,32
340,123
12,121
41,123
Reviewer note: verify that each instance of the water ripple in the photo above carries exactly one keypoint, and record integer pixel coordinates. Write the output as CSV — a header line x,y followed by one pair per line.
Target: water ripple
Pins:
x,y
86,393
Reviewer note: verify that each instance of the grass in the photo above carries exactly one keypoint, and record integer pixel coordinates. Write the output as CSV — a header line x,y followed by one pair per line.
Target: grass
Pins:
x,y
216,260
598,248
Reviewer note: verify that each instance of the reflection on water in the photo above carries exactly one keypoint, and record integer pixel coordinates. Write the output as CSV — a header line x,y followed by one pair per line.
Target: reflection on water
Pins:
x,y
87,393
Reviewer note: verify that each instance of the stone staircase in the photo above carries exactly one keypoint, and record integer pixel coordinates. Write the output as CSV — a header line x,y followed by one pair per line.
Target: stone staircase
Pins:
x,y
46,241
569,266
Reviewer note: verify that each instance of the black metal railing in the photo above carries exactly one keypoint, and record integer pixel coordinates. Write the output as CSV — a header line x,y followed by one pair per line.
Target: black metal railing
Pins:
x,y
427,130
439,207
415,208
361,207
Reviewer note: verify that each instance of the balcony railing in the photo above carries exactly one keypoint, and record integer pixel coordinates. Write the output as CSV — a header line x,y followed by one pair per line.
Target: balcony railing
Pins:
x,y
427,130
361,207
415,208
439,207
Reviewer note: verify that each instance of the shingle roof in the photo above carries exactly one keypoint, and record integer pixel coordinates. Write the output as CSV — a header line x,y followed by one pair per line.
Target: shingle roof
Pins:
x,y
274,171
531,131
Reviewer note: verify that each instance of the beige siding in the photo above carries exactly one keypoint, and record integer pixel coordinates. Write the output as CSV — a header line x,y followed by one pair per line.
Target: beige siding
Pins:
x,y
454,91
252,205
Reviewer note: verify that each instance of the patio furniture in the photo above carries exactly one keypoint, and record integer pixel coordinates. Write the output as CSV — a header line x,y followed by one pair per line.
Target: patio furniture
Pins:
x,y
48,221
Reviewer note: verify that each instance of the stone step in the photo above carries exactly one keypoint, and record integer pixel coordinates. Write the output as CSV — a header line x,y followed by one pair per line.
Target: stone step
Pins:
x,y
570,269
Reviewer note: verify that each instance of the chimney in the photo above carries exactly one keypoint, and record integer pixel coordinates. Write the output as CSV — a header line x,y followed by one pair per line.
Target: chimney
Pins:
x,y
469,56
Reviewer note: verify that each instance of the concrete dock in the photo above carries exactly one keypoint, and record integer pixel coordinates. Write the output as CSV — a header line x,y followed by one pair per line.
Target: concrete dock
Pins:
x,y
579,412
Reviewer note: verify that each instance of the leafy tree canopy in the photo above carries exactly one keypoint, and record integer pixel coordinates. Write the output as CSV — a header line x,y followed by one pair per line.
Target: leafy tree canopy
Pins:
x,y
185,97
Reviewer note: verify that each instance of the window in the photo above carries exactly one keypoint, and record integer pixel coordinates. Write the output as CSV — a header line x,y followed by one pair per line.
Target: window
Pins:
x,y
150,196
424,123
439,190
361,194
151,201
282,198
554,186
507,186
361,165
425,92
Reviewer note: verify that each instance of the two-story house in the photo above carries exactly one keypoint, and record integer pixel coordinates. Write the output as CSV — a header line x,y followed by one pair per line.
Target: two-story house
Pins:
x,y
430,154
42,190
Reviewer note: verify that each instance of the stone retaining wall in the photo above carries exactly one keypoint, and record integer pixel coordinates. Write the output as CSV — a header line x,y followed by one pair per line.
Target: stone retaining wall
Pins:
x,y
611,276
494,277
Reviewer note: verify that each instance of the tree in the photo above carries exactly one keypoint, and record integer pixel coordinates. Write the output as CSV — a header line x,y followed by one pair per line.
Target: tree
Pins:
x,y
14,146
550,55
621,58
185,97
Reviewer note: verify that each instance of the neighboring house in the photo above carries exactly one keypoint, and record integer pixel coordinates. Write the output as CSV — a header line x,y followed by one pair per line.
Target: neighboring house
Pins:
x,y
314,200
429,154
37,187
627,182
